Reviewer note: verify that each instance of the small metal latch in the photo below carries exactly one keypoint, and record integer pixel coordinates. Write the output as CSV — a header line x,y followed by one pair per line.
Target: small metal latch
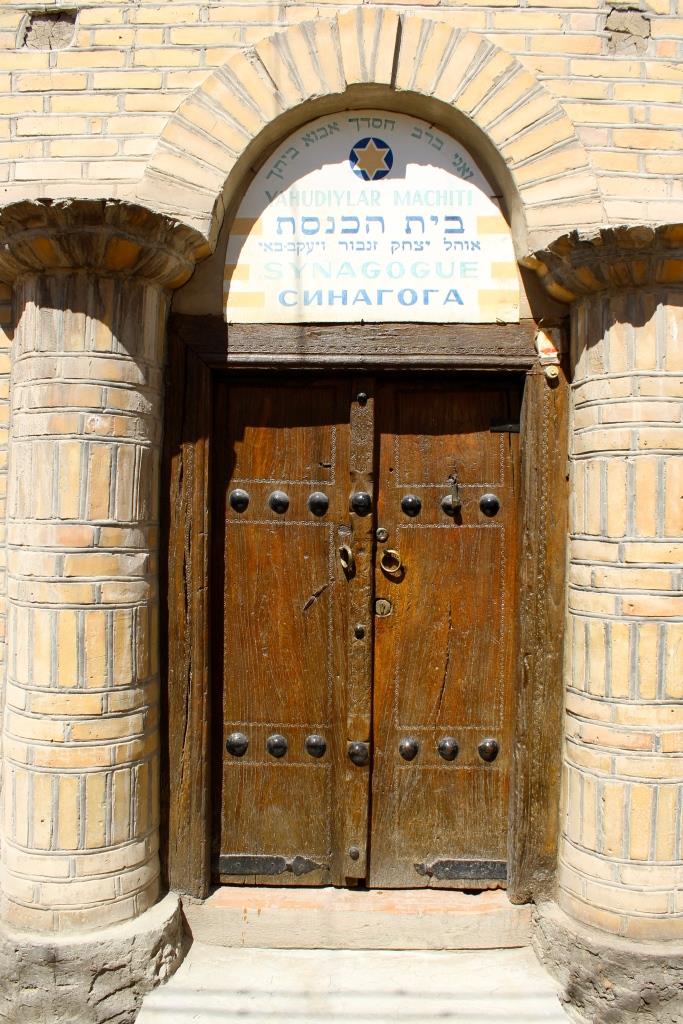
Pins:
x,y
503,427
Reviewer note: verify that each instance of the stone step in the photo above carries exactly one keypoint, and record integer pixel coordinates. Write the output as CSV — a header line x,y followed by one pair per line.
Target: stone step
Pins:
x,y
282,986
426,919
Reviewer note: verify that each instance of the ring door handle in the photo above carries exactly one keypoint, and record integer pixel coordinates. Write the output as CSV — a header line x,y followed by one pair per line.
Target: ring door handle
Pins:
x,y
347,560
390,562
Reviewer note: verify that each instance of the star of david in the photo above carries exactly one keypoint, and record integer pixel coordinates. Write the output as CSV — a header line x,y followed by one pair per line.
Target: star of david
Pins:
x,y
371,159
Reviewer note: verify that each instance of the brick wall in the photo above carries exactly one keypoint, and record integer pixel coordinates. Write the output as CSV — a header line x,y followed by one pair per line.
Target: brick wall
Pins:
x,y
91,113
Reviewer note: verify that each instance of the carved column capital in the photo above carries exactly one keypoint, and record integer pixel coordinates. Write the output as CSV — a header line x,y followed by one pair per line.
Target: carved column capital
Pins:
x,y
579,263
106,237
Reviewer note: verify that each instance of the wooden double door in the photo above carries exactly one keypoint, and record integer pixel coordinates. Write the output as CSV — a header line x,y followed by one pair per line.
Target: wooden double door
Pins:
x,y
364,558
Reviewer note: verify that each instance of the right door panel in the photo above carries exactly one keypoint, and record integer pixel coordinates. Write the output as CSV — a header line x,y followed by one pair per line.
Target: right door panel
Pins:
x,y
444,634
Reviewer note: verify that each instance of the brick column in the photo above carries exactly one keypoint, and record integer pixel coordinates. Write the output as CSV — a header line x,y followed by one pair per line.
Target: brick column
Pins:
x,y
621,850
81,757
621,859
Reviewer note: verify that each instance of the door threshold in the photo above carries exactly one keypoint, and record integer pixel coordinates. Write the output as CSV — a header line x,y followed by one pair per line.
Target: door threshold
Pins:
x,y
287,918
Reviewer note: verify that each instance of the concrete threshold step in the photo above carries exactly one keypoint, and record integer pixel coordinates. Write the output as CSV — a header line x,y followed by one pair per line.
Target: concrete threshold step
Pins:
x,y
427,919
307,986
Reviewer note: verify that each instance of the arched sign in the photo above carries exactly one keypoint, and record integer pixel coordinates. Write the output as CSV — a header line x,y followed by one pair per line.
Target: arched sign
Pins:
x,y
370,216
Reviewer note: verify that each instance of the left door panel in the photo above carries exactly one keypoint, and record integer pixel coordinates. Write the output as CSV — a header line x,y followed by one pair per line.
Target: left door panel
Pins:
x,y
281,515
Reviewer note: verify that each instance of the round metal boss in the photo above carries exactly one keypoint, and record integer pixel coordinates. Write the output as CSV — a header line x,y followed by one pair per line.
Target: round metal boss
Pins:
x,y
408,748
361,503
318,503
489,504
276,745
488,750
278,501
238,499
448,748
359,753
411,505
236,744
315,745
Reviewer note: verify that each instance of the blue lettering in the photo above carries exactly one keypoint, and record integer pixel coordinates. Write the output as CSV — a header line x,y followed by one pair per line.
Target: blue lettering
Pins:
x,y
362,296
395,269
453,296
332,297
313,298
284,301
407,296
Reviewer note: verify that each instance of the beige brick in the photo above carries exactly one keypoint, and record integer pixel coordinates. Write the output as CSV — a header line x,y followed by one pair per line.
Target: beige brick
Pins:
x,y
640,819
167,57
87,60
126,80
68,814
150,15
42,823
81,104
53,81
648,138
613,803
51,126
123,37
673,497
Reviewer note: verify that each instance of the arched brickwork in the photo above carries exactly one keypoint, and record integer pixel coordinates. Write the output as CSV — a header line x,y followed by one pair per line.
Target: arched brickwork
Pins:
x,y
223,128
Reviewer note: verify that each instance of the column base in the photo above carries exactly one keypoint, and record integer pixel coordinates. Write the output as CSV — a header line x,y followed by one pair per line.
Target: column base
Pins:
x,y
607,979
97,977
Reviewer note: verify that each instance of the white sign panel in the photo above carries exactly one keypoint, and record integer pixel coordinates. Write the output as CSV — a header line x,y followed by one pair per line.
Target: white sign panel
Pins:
x,y
370,216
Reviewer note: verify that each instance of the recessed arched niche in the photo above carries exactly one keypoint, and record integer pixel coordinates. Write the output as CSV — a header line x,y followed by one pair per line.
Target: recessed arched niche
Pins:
x,y
370,216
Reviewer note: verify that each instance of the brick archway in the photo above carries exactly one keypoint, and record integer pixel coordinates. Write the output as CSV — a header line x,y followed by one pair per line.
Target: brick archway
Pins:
x,y
226,126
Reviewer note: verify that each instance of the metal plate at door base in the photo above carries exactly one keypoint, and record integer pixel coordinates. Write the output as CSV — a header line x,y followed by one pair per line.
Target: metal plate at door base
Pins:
x,y
259,864
450,870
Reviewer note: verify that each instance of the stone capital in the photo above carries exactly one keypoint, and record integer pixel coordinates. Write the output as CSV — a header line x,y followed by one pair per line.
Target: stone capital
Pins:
x,y
105,237
581,263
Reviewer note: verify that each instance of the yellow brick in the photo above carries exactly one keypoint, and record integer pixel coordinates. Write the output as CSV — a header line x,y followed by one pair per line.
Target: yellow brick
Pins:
x,y
616,498
146,15
89,59
527,20
86,148
121,823
648,138
123,37
95,803
53,81
151,102
51,126
67,648
598,113
640,820
21,105
98,104
100,16
620,661
41,786
68,813
99,467
123,649
166,57
618,161
127,80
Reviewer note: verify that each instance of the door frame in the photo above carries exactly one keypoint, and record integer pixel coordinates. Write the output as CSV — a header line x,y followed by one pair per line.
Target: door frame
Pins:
x,y
201,346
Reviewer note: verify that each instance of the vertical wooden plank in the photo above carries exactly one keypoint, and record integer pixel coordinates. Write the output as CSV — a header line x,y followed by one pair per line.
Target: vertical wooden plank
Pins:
x,y
185,645
534,804
360,630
